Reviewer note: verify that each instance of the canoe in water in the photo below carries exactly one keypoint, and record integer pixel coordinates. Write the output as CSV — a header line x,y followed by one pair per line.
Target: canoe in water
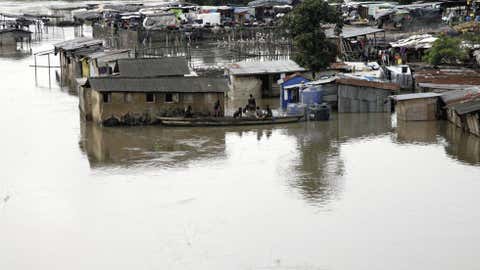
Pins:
x,y
225,121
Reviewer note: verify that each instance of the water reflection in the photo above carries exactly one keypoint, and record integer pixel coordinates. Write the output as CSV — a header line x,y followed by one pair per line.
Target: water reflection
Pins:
x,y
462,145
418,132
149,146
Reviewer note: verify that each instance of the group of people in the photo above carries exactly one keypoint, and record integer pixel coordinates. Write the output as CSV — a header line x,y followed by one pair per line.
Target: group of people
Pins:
x,y
252,110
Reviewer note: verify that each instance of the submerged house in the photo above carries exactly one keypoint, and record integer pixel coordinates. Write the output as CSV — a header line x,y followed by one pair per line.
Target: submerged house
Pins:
x,y
361,96
259,79
417,106
291,88
11,37
466,115
146,89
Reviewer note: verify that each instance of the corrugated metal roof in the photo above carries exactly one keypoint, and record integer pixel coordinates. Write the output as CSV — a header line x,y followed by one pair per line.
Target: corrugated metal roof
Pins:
x,y
153,67
77,43
162,84
415,96
264,67
370,84
350,31
466,107
458,95
101,54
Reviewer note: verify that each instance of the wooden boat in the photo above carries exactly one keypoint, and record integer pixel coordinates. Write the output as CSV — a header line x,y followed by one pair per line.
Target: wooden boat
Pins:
x,y
225,121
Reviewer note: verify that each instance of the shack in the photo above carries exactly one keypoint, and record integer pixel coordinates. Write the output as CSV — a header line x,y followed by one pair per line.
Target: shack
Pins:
x,y
11,37
71,54
466,115
134,101
259,79
361,96
356,42
417,106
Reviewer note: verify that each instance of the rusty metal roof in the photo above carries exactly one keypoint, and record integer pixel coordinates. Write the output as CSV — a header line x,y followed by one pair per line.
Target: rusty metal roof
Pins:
x,y
415,96
371,84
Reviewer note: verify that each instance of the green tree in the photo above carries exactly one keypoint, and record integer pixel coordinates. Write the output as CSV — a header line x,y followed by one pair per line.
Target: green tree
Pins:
x,y
446,50
304,24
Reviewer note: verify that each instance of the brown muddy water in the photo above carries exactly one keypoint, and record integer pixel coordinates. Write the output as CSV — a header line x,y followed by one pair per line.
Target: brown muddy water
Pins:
x,y
357,192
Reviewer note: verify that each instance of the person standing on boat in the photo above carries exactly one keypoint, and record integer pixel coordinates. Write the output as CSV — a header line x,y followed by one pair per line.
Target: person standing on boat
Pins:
x,y
252,104
216,108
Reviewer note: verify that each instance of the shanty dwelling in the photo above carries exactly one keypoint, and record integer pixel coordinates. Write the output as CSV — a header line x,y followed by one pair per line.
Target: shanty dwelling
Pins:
x,y
259,79
71,52
362,96
450,97
356,42
291,87
417,106
134,101
466,115
11,37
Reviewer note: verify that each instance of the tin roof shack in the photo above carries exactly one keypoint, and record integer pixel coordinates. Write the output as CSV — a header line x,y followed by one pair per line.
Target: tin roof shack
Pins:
x,y
64,14
361,96
417,106
71,54
11,37
357,41
264,9
259,79
134,101
451,97
413,48
466,115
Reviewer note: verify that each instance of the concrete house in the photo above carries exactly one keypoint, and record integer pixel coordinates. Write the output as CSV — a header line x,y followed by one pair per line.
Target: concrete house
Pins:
x,y
131,101
147,88
259,79
417,107
361,96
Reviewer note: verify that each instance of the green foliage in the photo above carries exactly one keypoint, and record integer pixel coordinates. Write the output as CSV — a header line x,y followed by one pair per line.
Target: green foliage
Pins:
x,y
313,49
446,50
405,2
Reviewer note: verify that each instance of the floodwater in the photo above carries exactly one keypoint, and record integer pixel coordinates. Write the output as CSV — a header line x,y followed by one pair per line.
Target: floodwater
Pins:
x,y
357,192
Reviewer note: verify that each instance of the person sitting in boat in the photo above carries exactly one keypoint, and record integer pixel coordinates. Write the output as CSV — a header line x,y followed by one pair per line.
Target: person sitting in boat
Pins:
x,y
238,113
217,109
188,112
268,112
252,104
259,113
